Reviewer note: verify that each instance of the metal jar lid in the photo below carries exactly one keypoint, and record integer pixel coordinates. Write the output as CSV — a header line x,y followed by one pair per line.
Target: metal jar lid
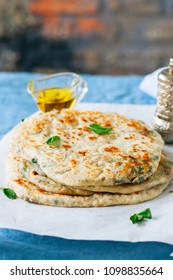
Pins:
x,y
163,118
166,75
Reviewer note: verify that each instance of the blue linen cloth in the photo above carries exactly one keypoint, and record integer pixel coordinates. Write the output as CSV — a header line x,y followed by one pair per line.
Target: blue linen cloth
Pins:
x,y
16,104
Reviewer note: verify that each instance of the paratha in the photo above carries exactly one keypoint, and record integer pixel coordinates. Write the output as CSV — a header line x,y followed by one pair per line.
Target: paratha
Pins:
x,y
31,193
129,153
19,168
87,169
31,172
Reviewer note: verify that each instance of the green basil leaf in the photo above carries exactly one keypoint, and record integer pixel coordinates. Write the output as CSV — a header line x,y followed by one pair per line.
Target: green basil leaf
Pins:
x,y
146,213
34,160
53,140
170,162
22,120
137,218
134,219
99,129
140,217
9,193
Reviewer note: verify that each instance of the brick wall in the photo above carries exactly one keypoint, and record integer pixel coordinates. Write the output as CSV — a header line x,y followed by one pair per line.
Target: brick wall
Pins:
x,y
86,36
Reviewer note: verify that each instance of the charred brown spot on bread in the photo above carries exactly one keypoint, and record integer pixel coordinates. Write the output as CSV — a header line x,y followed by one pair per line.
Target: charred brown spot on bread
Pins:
x,y
95,172
141,128
107,124
83,119
86,129
134,146
23,182
128,166
65,134
34,173
41,191
19,181
66,146
36,146
38,126
146,156
60,120
136,125
83,153
146,132
73,162
92,137
151,139
129,137
69,120
80,134
117,163
111,149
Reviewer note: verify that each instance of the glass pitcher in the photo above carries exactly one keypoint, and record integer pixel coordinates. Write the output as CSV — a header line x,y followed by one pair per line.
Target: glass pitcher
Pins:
x,y
57,91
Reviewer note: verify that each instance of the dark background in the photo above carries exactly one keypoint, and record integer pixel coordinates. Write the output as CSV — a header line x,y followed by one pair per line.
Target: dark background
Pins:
x,y
114,37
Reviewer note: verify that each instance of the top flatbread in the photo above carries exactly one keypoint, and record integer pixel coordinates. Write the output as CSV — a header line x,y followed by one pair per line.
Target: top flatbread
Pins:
x,y
130,153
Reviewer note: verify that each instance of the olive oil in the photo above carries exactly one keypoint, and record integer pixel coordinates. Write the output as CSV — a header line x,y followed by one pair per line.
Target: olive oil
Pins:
x,y
55,98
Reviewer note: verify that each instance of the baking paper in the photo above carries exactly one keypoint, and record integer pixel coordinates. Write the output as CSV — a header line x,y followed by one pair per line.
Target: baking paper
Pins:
x,y
104,223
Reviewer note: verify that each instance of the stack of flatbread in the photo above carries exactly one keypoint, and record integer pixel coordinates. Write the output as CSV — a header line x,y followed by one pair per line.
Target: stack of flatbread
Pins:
x,y
58,159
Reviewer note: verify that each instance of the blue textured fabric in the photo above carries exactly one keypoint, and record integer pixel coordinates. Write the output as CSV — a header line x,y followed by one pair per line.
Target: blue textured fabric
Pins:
x,y
21,245
15,104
